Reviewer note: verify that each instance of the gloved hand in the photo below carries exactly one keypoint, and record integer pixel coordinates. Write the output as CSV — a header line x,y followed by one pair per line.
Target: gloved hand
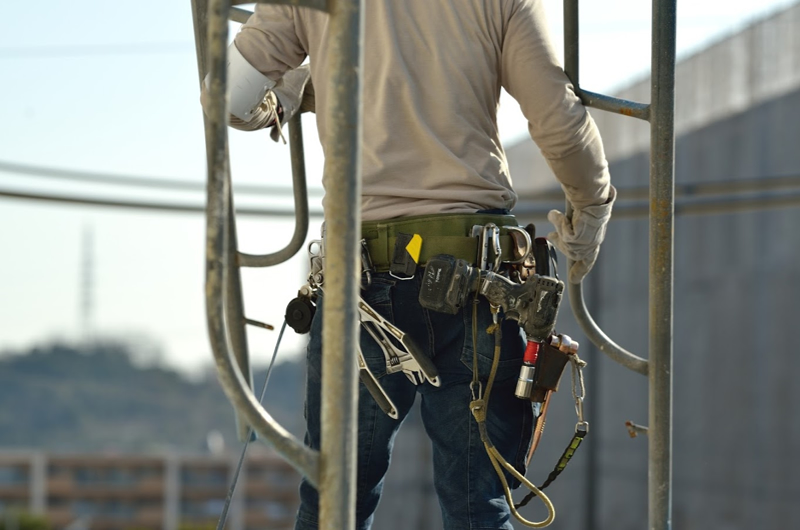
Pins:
x,y
264,115
580,239
293,92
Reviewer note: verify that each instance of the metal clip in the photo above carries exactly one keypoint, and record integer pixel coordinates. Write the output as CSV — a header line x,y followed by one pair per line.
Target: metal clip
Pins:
x,y
367,268
489,249
316,258
579,409
476,387
582,428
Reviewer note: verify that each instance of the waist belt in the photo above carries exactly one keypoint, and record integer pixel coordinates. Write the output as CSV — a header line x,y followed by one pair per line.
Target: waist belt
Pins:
x,y
441,234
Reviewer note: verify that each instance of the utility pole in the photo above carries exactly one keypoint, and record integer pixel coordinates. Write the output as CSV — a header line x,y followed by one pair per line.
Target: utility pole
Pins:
x,y
86,282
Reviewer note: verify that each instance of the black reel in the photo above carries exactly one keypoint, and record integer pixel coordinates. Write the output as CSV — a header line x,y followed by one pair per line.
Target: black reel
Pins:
x,y
300,313
545,255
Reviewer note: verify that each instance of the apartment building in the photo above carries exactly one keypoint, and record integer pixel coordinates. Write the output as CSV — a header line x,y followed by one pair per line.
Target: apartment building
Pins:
x,y
129,492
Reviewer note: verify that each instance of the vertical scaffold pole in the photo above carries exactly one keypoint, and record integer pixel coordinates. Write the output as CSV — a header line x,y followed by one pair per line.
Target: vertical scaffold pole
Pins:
x,y
342,266
333,469
661,115
662,236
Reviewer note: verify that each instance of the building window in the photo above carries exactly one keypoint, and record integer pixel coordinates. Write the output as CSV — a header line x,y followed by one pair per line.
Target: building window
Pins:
x,y
83,507
13,475
118,509
55,470
206,508
120,477
87,476
57,502
204,477
272,509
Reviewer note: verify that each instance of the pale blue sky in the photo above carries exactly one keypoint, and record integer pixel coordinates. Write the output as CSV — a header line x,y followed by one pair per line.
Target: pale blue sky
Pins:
x,y
96,86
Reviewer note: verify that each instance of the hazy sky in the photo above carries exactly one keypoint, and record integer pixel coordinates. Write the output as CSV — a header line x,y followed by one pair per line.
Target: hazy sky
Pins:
x,y
90,85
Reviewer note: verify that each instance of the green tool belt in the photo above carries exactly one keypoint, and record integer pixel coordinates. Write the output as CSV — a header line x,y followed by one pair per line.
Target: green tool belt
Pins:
x,y
441,234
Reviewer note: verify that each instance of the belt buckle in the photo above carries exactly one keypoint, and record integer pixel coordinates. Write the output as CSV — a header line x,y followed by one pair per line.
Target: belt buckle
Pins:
x,y
523,247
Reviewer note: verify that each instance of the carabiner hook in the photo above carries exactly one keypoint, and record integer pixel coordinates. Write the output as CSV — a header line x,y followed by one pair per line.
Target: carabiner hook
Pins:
x,y
489,244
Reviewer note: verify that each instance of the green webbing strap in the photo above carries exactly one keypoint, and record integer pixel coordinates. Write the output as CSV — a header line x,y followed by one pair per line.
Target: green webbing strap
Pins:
x,y
560,466
441,234
435,225
565,458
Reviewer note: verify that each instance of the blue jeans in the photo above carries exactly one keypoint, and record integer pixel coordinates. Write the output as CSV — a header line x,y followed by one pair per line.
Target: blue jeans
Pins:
x,y
469,491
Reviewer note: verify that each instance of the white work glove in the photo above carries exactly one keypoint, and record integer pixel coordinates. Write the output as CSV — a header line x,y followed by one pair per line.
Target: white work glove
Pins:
x,y
289,93
263,116
580,239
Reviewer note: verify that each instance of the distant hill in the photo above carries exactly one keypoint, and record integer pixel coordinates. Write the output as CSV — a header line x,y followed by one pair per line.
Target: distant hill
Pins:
x,y
64,398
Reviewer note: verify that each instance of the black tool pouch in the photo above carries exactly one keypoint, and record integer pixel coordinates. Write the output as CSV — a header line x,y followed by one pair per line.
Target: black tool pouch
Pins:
x,y
549,367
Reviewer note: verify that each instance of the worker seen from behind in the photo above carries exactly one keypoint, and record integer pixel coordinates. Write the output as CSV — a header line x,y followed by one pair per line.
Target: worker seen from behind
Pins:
x,y
433,167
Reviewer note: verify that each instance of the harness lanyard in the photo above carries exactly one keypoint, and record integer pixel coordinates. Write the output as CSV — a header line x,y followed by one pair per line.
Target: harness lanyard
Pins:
x,y
581,428
480,407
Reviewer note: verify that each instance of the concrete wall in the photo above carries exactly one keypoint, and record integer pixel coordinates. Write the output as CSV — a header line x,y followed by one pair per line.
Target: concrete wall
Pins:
x,y
756,65
737,300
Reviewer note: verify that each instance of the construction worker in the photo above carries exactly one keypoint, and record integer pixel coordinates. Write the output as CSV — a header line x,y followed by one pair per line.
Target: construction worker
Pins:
x,y
433,165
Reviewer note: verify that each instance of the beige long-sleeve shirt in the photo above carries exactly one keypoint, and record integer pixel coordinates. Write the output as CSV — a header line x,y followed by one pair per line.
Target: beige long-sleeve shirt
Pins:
x,y
433,71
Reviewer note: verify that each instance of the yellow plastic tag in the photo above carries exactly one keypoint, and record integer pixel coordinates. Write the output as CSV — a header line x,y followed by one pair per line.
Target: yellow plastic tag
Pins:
x,y
414,247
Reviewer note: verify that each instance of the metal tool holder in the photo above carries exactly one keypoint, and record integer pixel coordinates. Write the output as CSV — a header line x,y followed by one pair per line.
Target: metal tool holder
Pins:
x,y
658,368
332,469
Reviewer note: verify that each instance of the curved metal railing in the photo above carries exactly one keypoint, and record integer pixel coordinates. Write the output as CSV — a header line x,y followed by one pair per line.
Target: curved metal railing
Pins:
x,y
332,469
300,204
593,332
224,307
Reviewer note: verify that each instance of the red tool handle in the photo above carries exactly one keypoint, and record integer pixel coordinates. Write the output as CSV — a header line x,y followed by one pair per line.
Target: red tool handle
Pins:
x,y
531,352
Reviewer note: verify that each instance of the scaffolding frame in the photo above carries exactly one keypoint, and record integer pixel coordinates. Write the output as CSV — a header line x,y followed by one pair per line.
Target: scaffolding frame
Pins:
x,y
332,469
660,113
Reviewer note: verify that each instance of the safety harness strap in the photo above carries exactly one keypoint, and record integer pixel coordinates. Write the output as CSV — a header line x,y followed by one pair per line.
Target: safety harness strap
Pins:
x,y
461,247
581,428
565,458
441,234
480,407
560,466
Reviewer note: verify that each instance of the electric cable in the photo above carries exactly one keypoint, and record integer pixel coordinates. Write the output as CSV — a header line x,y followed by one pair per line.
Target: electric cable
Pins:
x,y
165,207
229,497
79,51
693,203
688,189
138,181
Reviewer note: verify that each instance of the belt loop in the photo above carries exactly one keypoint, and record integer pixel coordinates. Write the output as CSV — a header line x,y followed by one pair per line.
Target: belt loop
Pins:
x,y
383,242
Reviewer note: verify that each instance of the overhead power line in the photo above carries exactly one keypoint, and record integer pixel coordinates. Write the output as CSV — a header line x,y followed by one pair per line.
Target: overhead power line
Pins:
x,y
692,198
163,207
138,181
93,50
730,203
691,189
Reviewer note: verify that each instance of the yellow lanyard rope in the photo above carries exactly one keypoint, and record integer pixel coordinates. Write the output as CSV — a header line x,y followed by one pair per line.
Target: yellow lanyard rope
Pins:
x,y
480,407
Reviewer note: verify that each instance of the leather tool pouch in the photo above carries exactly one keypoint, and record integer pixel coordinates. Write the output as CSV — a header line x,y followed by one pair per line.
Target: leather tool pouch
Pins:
x,y
549,367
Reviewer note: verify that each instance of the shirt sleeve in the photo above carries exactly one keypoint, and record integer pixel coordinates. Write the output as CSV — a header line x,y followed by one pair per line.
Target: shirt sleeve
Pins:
x,y
269,40
557,120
